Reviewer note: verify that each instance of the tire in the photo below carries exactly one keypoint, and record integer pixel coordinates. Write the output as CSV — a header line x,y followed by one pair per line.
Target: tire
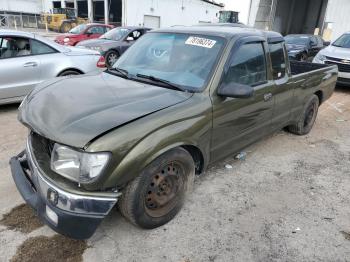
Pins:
x,y
65,27
111,57
303,57
69,73
307,120
157,195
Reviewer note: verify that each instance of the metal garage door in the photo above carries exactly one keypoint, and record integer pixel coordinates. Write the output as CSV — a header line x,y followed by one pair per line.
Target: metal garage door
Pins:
x,y
151,21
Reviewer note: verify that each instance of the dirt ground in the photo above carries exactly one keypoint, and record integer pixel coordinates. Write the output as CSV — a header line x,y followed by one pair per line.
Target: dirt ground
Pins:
x,y
288,201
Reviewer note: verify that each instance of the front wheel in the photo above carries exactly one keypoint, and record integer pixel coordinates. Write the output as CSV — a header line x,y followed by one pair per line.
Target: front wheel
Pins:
x,y
303,57
307,120
157,195
65,27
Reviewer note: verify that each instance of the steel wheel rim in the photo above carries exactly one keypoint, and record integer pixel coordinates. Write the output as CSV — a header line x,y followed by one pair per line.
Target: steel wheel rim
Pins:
x,y
310,112
164,189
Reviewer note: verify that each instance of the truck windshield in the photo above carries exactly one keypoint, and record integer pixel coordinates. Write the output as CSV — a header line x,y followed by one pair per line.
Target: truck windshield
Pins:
x,y
115,34
297,40
186,60
343,41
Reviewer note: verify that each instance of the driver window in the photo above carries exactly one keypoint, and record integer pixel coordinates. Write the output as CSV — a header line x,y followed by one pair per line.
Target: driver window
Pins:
x,y
248,65
96,30
14,47
135,35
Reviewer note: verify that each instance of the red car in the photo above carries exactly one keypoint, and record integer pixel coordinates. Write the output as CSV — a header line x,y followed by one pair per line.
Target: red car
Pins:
x,y
82,32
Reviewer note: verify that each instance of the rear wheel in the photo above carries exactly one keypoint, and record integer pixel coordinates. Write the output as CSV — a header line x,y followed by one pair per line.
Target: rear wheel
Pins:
x,y
157,195
307,120
111,57
65,27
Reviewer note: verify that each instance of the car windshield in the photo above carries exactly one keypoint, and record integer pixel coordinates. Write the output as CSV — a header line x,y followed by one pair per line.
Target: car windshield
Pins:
x,y
297,40
115,34
78,29
185,60
343,41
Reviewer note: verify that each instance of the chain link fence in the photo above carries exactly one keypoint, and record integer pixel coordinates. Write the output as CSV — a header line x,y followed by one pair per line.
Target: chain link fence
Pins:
x,y
21,21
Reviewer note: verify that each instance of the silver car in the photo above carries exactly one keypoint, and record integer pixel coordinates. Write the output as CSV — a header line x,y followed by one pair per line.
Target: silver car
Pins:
x,y
27,59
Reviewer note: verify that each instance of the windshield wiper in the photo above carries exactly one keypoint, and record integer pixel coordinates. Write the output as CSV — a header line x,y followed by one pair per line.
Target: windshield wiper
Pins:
x,y
159,80
124,73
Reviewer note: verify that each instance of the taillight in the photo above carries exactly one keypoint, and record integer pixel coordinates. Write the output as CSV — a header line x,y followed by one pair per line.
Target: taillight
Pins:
x,y
101,62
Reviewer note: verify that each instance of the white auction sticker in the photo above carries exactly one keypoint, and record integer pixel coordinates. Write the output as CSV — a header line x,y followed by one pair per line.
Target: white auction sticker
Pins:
x,y
199,41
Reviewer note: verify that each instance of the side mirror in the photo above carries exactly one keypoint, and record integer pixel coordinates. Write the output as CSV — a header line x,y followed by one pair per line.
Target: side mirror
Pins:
x,y
326,43
88,33
235,90
129,38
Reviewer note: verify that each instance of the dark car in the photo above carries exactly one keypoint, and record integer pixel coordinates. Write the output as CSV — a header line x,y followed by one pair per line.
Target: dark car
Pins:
x,y
304,47
115,42
82,32
178,100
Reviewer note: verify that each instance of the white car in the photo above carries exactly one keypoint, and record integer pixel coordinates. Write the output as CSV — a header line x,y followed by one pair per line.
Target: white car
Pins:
x,y
338,53
27,59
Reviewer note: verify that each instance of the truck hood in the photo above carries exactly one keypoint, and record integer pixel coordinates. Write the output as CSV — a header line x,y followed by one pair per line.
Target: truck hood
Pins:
x,y
291,47
75,110
336,52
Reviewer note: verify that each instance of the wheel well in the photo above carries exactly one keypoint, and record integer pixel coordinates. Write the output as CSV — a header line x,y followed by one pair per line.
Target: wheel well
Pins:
x,y
320,96
197,157
70,69
115,50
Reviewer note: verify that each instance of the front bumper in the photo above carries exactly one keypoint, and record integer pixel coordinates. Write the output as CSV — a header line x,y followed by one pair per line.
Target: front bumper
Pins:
x,y
76,216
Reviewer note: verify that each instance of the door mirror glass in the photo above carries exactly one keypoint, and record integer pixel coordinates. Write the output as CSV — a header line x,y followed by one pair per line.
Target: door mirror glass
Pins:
x,y
326,43
235,90
129,38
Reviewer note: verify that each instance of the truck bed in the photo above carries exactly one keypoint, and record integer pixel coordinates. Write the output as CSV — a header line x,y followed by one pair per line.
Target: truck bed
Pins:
x,y
298,68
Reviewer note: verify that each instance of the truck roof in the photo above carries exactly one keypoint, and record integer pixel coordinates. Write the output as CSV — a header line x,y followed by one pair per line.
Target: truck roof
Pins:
x,y
224,31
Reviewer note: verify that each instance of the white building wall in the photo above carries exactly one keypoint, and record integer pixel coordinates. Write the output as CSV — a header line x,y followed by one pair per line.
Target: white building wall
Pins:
x,y
338,12
253,12
28,6
171,12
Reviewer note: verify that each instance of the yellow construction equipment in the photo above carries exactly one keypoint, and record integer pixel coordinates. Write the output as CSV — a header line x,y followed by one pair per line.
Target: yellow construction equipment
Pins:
x,y
62,19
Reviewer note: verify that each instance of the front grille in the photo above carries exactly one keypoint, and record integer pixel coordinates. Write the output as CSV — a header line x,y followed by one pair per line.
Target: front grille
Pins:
x,y
45,144
341,67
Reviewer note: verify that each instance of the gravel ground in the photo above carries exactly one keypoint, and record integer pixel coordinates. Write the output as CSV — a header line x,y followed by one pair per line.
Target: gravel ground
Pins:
x,y
288,201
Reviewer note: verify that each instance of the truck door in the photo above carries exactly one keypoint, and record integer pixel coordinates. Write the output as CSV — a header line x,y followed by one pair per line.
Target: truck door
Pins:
x,y
238,122
284,88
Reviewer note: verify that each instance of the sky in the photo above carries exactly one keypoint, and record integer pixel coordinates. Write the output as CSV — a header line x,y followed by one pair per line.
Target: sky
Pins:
x,y
241,6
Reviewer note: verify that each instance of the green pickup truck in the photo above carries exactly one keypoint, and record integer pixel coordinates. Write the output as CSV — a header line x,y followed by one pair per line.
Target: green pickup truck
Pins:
x,y
137,134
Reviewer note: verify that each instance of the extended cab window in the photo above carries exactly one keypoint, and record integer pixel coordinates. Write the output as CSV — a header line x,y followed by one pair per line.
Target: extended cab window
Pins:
x,y
278,60
248,65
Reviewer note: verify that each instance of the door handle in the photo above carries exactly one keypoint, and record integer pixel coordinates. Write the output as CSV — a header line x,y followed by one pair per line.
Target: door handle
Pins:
x,y
267,97
30,64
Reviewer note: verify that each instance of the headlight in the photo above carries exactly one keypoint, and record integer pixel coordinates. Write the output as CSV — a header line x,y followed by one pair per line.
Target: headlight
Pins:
x,y
66,40
77,166
320,57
